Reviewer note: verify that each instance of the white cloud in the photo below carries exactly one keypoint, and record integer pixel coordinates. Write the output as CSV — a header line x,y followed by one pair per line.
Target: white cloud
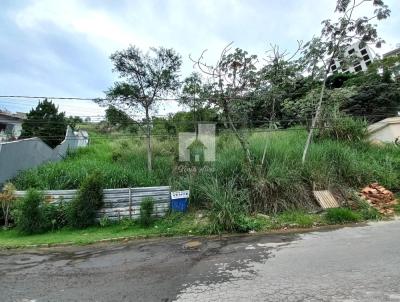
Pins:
x,y
189,26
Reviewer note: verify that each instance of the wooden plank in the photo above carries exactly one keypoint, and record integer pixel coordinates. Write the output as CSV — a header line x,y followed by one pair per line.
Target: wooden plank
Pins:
x,y
325,199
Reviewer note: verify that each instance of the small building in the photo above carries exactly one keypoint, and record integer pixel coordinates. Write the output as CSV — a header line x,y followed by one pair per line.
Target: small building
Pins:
x,y
10,125
385,131
364,58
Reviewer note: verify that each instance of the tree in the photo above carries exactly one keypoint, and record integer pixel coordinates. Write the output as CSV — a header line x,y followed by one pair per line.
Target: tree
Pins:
x,y
72,121
337,80
192,96
374,101
336,37
231,80
146,78
116,117
378,91
46,123
301,110
276,78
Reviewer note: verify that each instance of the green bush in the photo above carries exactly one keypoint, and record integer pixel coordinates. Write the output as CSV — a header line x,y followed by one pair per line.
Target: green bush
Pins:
x,y
227,206
56,215
366,211
30,213
345,128
341,215
89,199
370,213
104,221
397,208
146,211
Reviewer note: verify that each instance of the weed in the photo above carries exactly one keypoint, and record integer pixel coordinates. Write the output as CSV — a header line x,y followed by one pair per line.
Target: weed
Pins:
x,y
227,206
341,215
29,214
146,211
281,184
82,212
296,219
104,221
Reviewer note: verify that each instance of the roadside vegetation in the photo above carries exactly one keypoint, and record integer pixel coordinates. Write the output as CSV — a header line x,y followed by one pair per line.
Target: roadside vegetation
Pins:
x,y
283,130
230,197
174,224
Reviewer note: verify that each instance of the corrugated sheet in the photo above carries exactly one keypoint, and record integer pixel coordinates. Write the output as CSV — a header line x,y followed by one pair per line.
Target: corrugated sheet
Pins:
x,y
118,203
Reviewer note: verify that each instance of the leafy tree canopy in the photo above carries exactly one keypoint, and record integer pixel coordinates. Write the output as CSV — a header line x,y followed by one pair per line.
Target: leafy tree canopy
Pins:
x,y
116,117
46,123
374,101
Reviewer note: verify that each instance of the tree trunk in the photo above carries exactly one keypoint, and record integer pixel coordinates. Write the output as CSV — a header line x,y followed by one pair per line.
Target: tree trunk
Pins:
x,y
148,134
242,141
315,119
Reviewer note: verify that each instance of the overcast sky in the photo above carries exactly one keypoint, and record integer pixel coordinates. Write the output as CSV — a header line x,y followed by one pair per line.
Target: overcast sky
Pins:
x,y
62,47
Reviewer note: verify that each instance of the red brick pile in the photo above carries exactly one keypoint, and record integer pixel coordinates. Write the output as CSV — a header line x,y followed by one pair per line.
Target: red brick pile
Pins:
x,y
380,198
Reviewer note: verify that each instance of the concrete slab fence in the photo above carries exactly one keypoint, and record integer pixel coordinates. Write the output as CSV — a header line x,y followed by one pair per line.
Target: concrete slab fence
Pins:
x,y
118,203
20,155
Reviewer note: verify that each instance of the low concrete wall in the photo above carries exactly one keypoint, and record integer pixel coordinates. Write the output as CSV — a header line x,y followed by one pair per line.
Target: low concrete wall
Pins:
x,y
118,203
24,154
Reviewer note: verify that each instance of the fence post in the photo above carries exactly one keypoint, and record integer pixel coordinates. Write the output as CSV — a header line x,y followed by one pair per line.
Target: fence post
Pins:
x,y
130,203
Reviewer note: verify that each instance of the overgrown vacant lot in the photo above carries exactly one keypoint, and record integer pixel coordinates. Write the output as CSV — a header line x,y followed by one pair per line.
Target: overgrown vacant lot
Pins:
x,y
281,183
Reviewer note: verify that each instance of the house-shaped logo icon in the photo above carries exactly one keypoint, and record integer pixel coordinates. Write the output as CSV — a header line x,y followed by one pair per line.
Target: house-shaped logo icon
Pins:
x,y
198,148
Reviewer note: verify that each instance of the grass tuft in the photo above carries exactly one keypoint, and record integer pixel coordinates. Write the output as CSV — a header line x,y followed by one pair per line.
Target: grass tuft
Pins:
x,y
341,215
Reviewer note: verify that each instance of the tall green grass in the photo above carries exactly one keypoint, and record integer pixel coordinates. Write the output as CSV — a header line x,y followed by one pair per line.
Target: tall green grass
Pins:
x,y
281,183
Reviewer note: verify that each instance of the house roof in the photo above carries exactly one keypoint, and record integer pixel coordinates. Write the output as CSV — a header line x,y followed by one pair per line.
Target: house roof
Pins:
x,y
383,123
14,116
392,52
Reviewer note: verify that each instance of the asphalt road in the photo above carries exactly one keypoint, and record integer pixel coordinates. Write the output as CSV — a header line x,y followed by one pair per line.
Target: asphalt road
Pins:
x,y
348,264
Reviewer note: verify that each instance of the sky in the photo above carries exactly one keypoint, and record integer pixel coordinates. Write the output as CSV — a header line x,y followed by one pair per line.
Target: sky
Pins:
x,y
61,48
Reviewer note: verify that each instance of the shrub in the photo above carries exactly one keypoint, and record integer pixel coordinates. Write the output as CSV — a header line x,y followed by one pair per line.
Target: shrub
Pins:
x,y
227,206
89,199
345,128
296,218
248,223
7,198
397,208
146,211
366,211
370,213
104,221
30,215
341,215
56,215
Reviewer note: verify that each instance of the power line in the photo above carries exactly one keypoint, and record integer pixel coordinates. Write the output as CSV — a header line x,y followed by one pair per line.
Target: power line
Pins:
x,y
130,136
74,98
189,122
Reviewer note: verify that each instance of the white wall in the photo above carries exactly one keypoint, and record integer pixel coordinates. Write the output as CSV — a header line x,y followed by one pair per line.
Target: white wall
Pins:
x,y
23,154
386,134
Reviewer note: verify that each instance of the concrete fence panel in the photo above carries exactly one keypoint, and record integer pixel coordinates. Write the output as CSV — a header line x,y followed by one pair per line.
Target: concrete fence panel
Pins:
x,y
28,153
118,203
